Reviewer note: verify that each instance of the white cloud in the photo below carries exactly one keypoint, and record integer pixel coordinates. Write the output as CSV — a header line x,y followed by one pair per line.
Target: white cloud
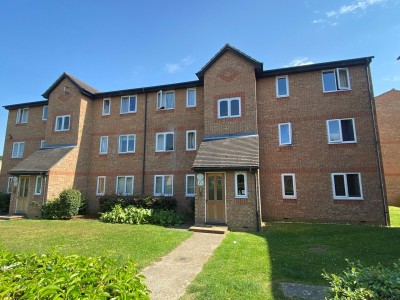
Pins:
x,y
319,21
173,68
394,78
353,8
300,61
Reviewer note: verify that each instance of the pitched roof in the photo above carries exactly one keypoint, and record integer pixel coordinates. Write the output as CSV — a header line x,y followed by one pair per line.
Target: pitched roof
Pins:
x,y
392,91
83,87
235,153
257,65
40,161
26,104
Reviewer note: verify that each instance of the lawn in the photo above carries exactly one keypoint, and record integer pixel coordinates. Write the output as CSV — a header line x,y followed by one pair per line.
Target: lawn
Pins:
x,y
251,266
394,213
141,243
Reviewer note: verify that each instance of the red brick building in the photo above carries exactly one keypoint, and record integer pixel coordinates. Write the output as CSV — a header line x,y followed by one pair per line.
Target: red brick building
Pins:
x,y
247,144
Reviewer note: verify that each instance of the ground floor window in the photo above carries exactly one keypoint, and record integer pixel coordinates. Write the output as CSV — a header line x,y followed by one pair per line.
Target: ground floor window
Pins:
x,y
240,185
190,185
9,184
163,185
101,185
38,185
125,185
289,186
347,186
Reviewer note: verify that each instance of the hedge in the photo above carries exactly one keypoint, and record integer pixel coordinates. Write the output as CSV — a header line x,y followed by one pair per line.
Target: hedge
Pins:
x,y
64,207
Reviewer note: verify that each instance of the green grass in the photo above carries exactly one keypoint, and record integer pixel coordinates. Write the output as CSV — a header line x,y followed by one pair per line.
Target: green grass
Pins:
x,y
251,266
394,213
141,243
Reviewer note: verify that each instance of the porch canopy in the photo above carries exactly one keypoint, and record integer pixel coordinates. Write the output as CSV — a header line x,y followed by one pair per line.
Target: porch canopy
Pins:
x,y
228,152
41,161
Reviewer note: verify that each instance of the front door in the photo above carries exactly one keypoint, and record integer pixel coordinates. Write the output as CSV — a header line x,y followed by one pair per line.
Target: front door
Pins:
x,y
215,198
22,195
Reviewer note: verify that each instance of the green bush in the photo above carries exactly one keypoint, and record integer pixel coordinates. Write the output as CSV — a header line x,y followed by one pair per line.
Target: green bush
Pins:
x,y
55,276
64,207
364,283
4,202
134,215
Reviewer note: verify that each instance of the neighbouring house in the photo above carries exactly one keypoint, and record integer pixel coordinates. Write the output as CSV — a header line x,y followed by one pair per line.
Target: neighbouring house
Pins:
x,y
247,144
388,112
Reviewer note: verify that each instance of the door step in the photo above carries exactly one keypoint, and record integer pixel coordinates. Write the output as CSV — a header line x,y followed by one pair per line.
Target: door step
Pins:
x,y
205,228
11,217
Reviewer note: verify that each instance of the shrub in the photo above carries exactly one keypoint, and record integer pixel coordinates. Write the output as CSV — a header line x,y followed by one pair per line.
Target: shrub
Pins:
x,y
4,202
64,207
55,276
165,218
358,282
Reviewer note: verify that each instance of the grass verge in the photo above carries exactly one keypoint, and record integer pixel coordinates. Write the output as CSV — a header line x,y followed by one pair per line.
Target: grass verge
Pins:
x,y
394,213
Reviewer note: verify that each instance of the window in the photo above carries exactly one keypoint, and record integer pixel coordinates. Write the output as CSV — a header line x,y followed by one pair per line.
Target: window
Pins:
x,y
229,108
191,98
106,107
189,185
282,86
335,80
103,144
10,184
128,104
190,139
38,185
127,143
22,115
23,187
166,100
18,150
62,123
289,186
125,185
164,141
285,134
347,186
44,113
42,143
101,185
241,185
341,131
163,185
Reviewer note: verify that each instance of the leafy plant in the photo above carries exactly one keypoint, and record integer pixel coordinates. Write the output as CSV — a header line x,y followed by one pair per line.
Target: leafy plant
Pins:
x,y
4,202
55,276
64,207
165,218
359,283
108,202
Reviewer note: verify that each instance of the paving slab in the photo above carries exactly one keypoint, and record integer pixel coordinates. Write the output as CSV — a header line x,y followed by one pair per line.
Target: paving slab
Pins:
x,y
304,291
168,278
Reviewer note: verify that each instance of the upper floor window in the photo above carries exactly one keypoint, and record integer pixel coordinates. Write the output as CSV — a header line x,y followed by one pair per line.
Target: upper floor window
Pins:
x,y
191,98
38,185
165,141
241,185
189,185
347,186
190,139
335,80
285,134
62,123
282,86
22,115
104,144
163,185
128,104
18,150
45,112
289,186
127,143
166,100
125,185
229,108
341,131
106,107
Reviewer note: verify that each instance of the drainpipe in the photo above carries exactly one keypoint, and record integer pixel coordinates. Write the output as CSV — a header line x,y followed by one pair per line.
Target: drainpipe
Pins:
x,y
378,149
144,140
257,199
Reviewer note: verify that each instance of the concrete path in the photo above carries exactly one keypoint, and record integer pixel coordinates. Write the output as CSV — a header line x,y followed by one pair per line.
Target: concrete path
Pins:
x,y
168,278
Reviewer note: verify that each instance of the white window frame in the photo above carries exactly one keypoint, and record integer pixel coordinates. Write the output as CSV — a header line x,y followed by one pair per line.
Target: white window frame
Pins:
x,y
338,84
280,134
286,77
44,115
341,132
229,100
294,196
187,97
101,193
163,185
103,112
187,140
129,111
245,185
10,182
21,112
63,117
346,197
160,100
37,186
127,136
101,139
165,141
19,154
187,185
125,179
42,144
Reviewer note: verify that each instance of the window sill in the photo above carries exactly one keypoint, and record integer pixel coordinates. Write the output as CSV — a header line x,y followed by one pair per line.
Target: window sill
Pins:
x,y
191,107
229,117
282,97
285,145
339,145
125,113
189,196
241,197
37,194
21,124
105,115
289,198
191,150
348,199
335,91
126,152
165,111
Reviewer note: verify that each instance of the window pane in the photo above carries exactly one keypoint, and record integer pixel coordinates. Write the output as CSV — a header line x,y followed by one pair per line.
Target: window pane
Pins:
x,y
38,188
191,140
334,131
347,130
120,185
240,185
45,111
124,105
343,79
66,123
168,185
210,188
103,144
169,101
160,142
191,98
339,185
123,143
159,185
100,185
169,146
285,134
353,185
15,150
21,149
190,185
24,116
131,143
59,123
223,108
282,87
106,107
329,81
219,188
289,186
129,186
235,107
132,104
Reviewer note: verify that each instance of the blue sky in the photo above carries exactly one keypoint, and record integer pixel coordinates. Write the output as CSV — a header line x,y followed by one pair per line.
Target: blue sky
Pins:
x,y
122,44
